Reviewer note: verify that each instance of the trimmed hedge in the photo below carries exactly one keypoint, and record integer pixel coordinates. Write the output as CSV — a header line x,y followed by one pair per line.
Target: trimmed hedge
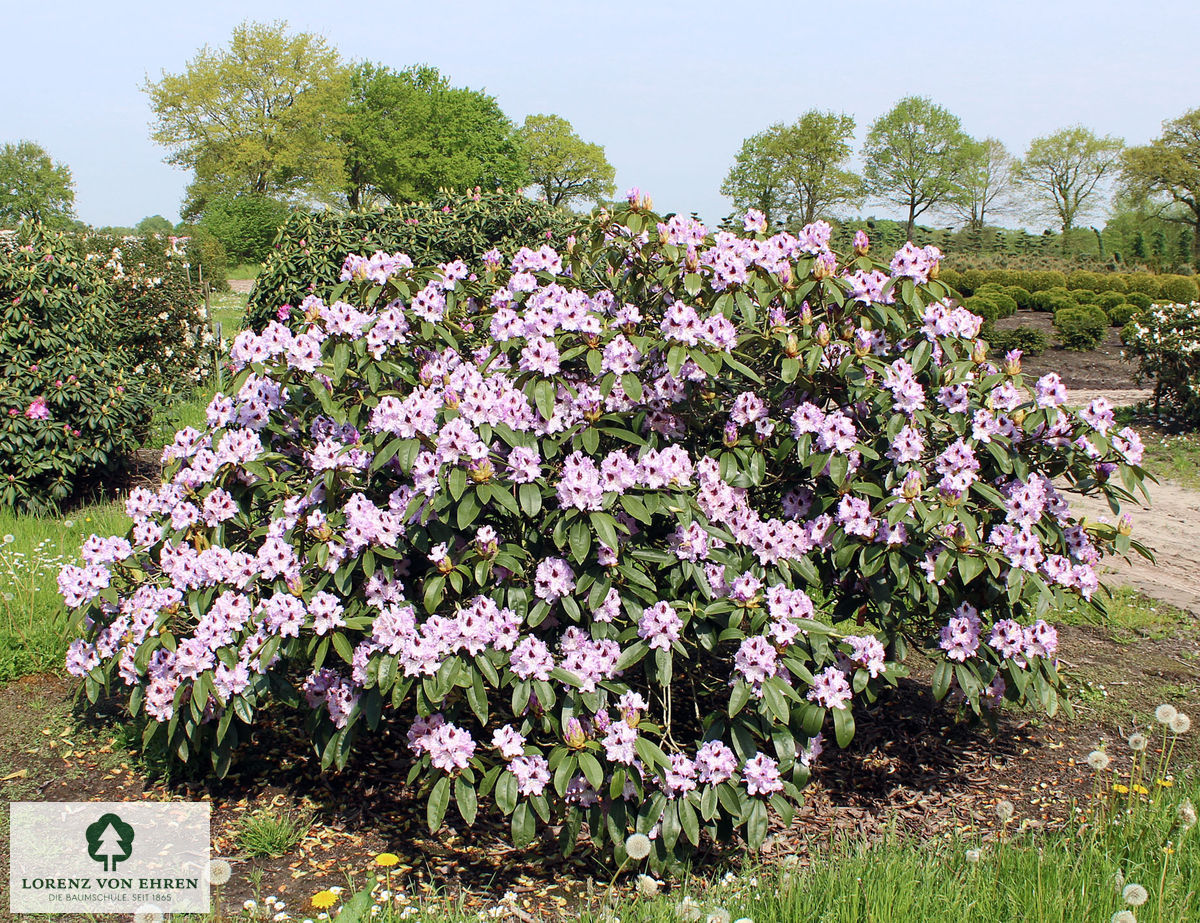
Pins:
x,y
310,248
1081,327
1030,340
1120,315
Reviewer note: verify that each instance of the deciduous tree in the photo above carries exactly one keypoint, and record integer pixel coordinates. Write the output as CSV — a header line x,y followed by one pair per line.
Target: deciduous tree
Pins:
x,y
1065,172
34,186
796,172
985,183
562,165
915,156
259,116
1168,170
409,133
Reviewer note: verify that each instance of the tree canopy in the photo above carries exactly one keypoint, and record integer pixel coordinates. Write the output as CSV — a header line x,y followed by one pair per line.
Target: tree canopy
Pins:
x,y
985,183
33,186
259,116
1064,172
409,133
796,173
915,156
562,165
1168,170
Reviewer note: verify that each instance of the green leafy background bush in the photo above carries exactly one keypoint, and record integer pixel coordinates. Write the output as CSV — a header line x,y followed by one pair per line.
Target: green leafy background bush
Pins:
x,y
1082,327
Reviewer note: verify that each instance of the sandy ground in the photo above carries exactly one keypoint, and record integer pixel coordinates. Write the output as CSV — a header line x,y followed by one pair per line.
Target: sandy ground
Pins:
x,y
241,286
1170,526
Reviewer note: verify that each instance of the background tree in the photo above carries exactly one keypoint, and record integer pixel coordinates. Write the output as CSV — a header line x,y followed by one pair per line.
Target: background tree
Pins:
x,y
408,134
1064,172
259,116
34,186
154,224
562,165
985,184
799,171
914,156
1168,169
245,224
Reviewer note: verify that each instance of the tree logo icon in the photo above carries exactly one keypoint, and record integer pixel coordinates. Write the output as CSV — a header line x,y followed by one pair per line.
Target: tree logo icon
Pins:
x,y
110,840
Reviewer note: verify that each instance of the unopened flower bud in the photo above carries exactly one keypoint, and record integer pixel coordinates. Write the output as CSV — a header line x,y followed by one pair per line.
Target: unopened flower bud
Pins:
x,y
1125,524
825,266
573,734
1012,362
730,438
862,243
823,335
979,352
792,347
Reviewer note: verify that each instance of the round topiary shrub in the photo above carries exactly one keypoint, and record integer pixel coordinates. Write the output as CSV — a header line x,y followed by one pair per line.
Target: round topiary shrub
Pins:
x,y
1029,340
1120,315
1085,296
970,280
1140,299
1081,327
1042,279
310,248
1082,279
1020,297
1051,299
71,411
1107,300
985,306
1179,289
1144,283
618,535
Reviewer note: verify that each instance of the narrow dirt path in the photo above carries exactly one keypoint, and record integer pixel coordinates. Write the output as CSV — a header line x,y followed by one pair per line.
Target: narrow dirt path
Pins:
x,y
1170,525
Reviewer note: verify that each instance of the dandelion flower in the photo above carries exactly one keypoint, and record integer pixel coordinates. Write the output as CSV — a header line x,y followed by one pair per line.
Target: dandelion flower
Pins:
x,y
1123,916
387,859
323,900
1118,880
638,846
1120,789
1186,814
1164,783
1181,723
1165,713
9,538
743,920
148,913
1004,811
688,909
1098,760
219,871
1134,895
720,915
1138,742
1141,789
647,886
972,856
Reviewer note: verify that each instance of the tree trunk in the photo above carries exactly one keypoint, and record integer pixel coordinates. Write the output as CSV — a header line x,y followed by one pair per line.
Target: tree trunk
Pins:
x,y
912,219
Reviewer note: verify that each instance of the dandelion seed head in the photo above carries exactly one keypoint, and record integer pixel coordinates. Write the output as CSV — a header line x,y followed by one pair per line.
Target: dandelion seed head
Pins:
x,y
1098,760
1186,814
637,846
1138,742
1181,723
1134,895
1123,916
1165,713
972,856
219,871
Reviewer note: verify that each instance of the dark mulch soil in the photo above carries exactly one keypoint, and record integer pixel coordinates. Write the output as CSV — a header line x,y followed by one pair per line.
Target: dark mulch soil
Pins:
x,y
913,768
1100,369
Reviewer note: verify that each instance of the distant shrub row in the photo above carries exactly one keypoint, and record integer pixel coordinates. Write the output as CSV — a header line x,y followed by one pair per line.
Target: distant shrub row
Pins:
x,y
1157,287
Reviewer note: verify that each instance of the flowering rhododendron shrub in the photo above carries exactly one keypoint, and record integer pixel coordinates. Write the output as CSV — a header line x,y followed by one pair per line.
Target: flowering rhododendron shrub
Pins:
x,y
71,411
156,315
1166,341
619,535
310,247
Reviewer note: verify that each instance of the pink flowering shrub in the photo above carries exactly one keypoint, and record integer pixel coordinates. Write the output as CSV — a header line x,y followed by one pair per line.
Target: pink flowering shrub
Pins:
x,y
620,535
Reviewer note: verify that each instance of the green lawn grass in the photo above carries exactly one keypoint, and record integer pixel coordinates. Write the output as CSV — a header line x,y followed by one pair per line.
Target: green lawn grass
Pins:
x,y
1174,458
33,622
228,309
244,271
1077,874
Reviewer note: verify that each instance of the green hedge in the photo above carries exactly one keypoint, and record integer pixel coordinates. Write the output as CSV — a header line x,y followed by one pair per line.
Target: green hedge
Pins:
x,y
1120,315
1030,340
310,249
1081,327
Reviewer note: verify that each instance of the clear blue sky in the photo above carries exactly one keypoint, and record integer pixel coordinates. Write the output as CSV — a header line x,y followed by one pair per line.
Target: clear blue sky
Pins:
x,y
669,88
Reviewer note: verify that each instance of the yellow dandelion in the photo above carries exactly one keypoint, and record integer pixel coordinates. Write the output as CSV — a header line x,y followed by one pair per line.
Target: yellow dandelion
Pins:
x,y
387,859
1120,789
1164,783
323,900
1141,790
